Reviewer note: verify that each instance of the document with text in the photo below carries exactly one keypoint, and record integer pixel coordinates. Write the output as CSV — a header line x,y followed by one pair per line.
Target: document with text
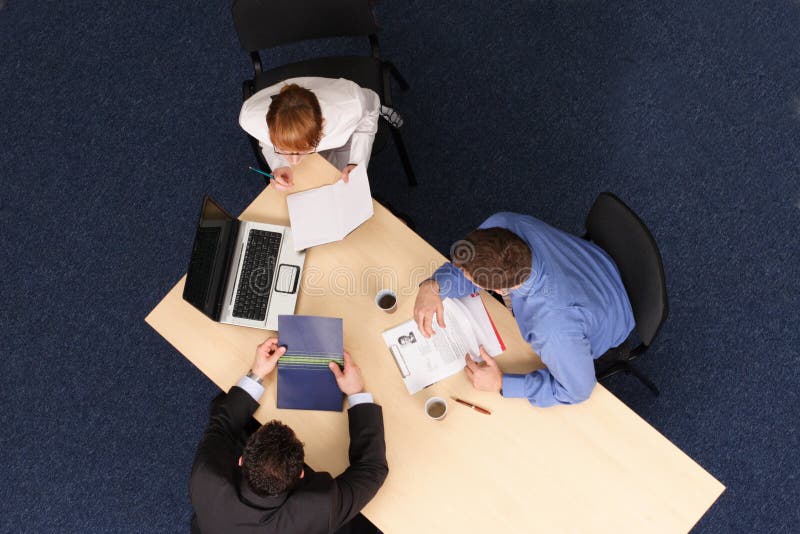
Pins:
x,y
329,213
425,361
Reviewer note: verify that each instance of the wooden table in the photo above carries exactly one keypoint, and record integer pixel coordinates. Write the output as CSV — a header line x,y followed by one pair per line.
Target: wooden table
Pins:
x,y
592,467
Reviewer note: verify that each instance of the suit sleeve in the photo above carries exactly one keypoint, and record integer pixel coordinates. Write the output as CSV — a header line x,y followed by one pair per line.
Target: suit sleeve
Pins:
x,y
368,468
217,451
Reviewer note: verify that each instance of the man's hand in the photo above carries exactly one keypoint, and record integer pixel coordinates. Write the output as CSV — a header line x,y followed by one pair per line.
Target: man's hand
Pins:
x,y
267,356
346,172
349,381
428,302
486,376
283,179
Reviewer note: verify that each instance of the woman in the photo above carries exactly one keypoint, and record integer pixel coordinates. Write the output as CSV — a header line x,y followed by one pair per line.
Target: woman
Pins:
x,y
333,117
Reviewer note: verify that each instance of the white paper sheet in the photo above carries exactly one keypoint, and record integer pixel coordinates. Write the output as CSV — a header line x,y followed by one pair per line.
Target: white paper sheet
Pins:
x,y
329,213
424,361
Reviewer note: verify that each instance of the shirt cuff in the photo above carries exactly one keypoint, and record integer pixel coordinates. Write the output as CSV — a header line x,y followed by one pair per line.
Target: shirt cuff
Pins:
x,y
429,279
513,386
359,398
253,388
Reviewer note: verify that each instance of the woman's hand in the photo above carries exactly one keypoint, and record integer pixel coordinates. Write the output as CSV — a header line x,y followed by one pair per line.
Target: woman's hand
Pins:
x,y
346,172
282,178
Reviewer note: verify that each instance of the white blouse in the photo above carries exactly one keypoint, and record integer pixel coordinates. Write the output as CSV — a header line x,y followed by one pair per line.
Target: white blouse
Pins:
x,y
351,116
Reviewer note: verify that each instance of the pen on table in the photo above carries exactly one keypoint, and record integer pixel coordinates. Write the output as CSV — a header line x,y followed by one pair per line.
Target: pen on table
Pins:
x,y
268,175
470,405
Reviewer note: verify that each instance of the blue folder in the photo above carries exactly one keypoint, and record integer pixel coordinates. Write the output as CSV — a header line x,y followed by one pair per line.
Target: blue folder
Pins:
x,y
304,380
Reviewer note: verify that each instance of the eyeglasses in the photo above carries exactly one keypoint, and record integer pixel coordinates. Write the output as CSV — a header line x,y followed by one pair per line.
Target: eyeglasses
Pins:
x,y
281,153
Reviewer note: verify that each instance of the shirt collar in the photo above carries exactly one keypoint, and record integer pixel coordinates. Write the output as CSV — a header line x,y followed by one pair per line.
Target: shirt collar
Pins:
x,y
255,500
534,281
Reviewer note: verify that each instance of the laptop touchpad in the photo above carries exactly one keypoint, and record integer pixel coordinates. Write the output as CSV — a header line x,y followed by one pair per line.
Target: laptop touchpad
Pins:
x,y
287,279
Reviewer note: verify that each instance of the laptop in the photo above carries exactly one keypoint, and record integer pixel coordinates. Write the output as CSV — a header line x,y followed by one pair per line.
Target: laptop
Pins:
x,y
241,272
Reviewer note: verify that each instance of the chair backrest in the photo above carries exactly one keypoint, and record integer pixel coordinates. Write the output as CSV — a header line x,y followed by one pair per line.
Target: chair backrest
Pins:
x,y
615,228
266,23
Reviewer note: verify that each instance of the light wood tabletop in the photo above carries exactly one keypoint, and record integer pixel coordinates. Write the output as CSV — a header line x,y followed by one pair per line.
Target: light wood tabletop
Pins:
x,y
591,467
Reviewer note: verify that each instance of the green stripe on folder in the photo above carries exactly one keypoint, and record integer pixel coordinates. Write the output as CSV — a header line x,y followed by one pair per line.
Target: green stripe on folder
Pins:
x,y
310,360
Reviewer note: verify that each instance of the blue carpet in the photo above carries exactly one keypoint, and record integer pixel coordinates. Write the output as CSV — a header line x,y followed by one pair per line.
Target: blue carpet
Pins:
x,y
115,118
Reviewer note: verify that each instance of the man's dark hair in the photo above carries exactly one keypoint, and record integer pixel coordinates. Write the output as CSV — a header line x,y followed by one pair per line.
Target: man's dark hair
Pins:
x,y
495,258
272,459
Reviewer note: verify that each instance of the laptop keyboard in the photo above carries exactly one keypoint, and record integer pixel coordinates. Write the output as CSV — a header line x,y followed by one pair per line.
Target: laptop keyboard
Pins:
x,y
255,281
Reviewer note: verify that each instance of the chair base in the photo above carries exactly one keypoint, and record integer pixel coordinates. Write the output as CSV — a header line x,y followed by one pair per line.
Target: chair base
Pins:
x,y
398,77
627,368
401,151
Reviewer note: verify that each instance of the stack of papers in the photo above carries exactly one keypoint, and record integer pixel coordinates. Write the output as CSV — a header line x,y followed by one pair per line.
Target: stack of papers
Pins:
x,y
424,361
329,213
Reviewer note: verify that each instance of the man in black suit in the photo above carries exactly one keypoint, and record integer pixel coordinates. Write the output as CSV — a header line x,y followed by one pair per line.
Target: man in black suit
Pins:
x,y
250,479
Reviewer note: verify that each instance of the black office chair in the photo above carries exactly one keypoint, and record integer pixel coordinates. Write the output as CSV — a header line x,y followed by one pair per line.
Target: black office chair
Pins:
x,y
615,228
263,24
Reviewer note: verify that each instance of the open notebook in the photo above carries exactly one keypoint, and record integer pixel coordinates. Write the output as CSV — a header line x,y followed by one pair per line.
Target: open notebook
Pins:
x,y
329,213
304,380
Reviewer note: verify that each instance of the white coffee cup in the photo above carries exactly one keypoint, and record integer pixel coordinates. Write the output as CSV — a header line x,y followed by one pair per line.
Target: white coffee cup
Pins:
x,y
436,408
386,300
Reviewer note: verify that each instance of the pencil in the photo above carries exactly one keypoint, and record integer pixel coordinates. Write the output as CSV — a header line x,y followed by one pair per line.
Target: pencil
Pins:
x,y
268,175
473,406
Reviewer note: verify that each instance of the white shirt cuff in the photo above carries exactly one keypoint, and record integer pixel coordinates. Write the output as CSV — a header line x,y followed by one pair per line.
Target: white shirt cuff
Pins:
x,y
253,388
359,398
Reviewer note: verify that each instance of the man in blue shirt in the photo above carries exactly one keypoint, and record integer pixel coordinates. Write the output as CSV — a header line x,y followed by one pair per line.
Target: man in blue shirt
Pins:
x,y
565,292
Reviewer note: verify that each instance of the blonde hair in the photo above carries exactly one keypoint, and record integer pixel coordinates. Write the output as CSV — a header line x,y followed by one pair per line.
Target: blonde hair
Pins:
x,y
294,119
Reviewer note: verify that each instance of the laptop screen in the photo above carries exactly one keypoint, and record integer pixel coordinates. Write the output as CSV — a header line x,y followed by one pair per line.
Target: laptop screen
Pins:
x,y
207,266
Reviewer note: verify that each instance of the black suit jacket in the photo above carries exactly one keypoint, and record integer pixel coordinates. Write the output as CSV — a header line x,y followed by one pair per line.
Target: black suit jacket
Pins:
x,y
224,503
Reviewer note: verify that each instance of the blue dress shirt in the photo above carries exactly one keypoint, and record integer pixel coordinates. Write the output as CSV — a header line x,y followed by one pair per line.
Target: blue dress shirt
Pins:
x,y
571,309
